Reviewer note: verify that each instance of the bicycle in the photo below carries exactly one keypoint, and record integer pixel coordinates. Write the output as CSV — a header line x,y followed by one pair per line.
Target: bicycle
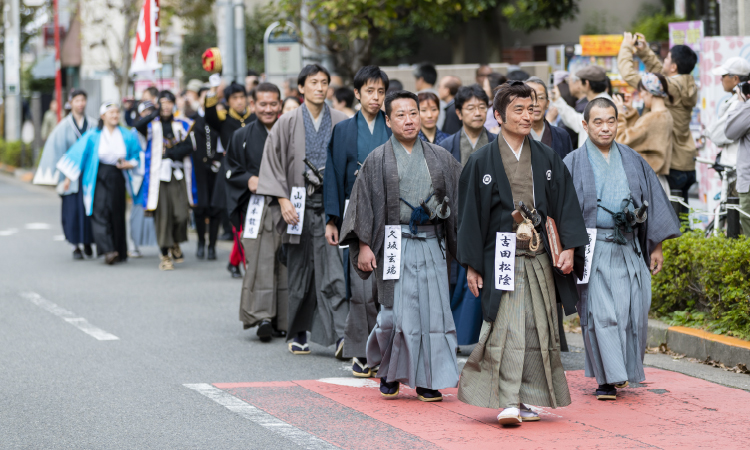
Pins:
x,y
728,175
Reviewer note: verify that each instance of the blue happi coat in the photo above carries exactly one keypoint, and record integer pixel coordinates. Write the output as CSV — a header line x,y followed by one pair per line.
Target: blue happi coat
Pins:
x,y
84,156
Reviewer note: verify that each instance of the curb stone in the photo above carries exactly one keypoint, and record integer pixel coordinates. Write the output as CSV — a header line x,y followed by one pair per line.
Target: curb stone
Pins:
x,y
699,344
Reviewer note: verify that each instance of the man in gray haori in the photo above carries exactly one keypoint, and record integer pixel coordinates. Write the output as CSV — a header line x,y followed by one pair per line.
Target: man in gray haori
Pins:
x,y
401,223
622,200
317,293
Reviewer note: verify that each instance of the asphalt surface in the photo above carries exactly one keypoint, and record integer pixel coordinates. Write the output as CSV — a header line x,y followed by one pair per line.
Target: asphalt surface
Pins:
x,y
63,388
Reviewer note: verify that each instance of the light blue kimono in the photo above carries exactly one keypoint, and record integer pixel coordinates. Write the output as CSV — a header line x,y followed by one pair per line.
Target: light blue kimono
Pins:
x,y
84,155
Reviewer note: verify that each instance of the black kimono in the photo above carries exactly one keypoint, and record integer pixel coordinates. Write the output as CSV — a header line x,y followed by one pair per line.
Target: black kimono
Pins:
x,y
485,207
242,162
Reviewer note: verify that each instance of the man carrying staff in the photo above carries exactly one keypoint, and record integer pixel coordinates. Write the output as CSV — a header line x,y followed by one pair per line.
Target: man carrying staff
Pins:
x,y
317,294
76,224
517,359
351,143
264,300
622,199
169,177
401,223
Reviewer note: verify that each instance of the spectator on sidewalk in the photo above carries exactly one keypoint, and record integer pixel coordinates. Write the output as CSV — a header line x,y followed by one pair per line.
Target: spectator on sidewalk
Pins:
x,y
343,100
49,122
593,85
429,110
650,134
733,71
447,91
677,68
738,129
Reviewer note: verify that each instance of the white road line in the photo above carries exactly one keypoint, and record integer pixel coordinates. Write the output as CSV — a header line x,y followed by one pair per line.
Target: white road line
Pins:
x,y
9,232
262,418
38,226
78,322
58,237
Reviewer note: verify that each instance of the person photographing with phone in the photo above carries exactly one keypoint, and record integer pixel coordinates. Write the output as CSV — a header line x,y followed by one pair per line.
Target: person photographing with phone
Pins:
x,y
738,129
733,72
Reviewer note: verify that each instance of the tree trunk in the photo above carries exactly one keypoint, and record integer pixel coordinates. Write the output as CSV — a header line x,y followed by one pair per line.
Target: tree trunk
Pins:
x,y
458,45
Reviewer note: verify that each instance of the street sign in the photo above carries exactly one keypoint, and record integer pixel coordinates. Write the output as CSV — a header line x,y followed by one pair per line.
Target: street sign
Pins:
x,y
283,50
600,44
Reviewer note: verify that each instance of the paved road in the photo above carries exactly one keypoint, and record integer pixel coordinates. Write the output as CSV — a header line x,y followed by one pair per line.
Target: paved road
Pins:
x,y
93,356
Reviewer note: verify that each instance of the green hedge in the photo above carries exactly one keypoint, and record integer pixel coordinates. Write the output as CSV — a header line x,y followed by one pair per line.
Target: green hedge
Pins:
x,y
705,283
10,153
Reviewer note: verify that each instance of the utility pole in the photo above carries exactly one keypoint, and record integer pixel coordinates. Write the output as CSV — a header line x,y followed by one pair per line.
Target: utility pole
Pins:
x,y
58,65
225,29
240,56
12,19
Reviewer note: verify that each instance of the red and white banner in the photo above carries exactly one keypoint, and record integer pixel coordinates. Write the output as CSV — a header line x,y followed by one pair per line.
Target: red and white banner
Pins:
x,y
146,55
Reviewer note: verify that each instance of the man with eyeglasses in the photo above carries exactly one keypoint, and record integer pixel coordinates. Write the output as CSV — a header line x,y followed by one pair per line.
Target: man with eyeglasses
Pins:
x,y
471,108
541,130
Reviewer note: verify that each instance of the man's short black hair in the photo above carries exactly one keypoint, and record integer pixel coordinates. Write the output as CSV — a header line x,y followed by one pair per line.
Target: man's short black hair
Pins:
x,y
76,92
395,95
153,91
266,87
252,73
427,72
519,75
344,95
684,57
466,93
597,86
394,85
234,88
310,70
508,92
599,102
167,95
369,73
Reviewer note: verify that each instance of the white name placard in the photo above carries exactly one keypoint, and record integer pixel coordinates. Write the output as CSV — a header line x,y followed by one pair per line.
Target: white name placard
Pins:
x,y
505,261
298,201
392,253
346,206
589,256
253,216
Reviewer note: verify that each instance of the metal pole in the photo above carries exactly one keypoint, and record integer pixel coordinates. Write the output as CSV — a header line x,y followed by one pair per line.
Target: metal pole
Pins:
x,y
240,56
676,206
226,27
733,218
58,64
36,114
12,70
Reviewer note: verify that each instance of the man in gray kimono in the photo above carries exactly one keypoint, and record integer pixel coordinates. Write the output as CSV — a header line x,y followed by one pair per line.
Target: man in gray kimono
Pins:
x,y
400,224
317,294
614,185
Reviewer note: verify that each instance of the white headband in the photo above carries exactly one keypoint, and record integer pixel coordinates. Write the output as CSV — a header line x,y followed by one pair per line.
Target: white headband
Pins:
x,y
106,106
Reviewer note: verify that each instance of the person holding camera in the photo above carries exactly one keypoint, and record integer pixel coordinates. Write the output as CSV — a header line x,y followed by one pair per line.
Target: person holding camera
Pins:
x,y
677,68
732,72
738,129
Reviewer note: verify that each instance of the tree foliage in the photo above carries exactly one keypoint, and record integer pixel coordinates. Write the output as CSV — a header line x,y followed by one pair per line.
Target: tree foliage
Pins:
x,y
530,15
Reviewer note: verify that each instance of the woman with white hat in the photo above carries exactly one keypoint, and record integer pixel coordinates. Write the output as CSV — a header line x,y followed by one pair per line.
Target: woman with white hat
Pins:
x,y
102,155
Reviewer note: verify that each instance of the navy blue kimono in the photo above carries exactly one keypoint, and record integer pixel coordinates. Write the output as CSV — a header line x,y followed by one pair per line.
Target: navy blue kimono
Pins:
x,y
453,143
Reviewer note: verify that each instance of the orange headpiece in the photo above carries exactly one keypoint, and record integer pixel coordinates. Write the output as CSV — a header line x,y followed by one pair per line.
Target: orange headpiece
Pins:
x,y
212,60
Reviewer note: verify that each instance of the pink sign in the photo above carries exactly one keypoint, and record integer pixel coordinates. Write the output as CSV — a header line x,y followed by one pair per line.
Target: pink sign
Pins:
x,y
686,33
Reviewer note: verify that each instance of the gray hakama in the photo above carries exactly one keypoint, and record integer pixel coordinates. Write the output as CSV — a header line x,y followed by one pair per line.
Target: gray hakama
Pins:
x,y
415,340
620,295
317,293
264,287
363,313
615,303
172,213
142,229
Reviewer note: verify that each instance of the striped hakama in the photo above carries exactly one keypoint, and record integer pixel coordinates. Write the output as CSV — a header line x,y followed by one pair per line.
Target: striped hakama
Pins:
x,y
614,319
517,359
415,340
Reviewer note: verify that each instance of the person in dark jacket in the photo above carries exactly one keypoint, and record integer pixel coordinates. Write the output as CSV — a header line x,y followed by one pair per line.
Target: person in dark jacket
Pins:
x,y
541,130
447,90
429,111
207,162
471,106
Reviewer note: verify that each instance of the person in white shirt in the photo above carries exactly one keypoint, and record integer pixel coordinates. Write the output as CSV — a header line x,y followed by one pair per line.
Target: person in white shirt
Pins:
x,y
732,72
593,85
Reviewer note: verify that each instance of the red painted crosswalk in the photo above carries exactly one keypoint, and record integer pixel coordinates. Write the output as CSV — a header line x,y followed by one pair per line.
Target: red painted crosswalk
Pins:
x,y
670,410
